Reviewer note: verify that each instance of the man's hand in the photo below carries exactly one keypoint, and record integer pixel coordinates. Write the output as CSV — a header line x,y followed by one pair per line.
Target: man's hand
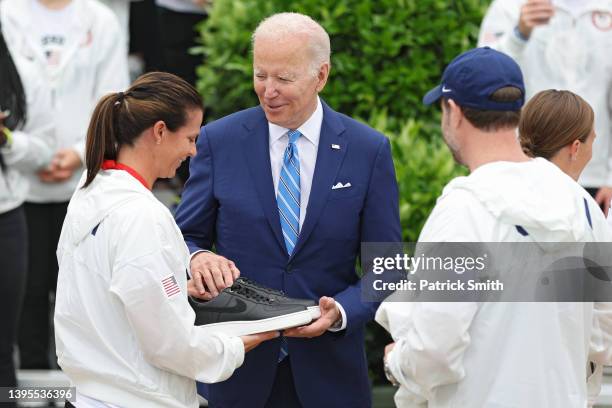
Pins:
x,y
253,340
534,13
62,166
329,315
211,273
603,197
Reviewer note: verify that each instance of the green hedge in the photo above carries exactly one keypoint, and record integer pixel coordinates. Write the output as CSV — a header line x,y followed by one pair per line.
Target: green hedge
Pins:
x,y
385,53
423,166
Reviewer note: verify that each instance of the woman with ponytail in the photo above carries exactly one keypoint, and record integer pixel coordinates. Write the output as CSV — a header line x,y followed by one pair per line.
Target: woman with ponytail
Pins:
x,y
558,126
25,147
124,330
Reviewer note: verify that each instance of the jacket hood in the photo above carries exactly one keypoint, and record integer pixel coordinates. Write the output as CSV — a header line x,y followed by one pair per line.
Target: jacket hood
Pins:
x,y
535,195
19,13
88,207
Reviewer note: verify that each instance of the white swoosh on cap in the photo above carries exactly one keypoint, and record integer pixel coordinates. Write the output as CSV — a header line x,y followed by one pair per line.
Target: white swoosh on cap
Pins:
x,y
445,89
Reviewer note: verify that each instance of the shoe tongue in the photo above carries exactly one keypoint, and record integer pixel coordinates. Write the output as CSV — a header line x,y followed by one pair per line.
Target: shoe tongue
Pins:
x,y
240,287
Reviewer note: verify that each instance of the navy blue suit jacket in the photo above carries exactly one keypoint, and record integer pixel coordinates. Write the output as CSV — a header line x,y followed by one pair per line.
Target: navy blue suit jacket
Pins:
x,y
229,202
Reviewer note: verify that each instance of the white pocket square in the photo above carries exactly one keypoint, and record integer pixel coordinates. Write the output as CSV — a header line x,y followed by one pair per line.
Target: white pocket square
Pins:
x,y
340,185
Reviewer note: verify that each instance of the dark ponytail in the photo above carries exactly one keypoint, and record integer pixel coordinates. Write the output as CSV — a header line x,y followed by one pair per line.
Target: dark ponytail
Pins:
x,y
12,95
120,118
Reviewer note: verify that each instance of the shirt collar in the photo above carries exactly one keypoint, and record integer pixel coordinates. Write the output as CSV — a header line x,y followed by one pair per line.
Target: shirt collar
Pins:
x,y
311,129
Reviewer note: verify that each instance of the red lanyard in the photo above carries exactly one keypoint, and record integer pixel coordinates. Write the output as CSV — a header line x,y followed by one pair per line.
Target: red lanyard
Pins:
x,y
113,165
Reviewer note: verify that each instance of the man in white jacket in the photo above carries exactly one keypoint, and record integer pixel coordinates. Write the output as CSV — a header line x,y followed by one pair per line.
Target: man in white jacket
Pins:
x,y
563,44
486,354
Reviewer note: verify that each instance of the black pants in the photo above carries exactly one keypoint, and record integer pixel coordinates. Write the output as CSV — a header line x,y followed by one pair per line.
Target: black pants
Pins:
x,y
13,270
178,35
283,393
44,227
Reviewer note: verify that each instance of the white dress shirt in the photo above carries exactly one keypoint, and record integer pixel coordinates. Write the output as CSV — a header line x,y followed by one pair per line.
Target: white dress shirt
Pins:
x,y
307,146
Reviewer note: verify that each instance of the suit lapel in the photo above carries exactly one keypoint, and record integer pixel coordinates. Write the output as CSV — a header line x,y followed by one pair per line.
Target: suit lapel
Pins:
x,y
326,168
256,149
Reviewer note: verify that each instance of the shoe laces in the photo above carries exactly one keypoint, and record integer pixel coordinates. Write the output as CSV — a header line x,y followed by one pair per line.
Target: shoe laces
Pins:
x,y
250,293
250,282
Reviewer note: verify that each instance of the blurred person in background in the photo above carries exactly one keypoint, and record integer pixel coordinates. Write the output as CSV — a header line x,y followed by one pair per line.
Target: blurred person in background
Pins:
x,y
563,44
76,48
121,8
124,330
25,146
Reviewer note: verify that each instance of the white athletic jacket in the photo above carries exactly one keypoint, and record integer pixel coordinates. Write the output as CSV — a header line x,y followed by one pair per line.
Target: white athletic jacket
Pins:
x,y
571,53
94,65
32,146
124,331
502,354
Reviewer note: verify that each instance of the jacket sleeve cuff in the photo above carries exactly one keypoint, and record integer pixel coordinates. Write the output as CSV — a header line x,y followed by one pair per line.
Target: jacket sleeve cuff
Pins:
x,y
512,44
238,349
394,360
80,149
17,143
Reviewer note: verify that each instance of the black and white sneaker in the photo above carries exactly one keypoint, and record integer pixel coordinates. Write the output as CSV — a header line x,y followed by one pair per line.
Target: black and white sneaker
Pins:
x,y
242,309
280,296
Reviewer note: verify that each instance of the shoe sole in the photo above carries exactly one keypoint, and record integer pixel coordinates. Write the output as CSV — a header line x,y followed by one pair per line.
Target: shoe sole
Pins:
x,y
315,312
246,327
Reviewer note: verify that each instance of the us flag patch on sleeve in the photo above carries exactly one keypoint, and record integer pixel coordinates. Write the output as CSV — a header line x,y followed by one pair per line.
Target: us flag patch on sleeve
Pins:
x,y
170,286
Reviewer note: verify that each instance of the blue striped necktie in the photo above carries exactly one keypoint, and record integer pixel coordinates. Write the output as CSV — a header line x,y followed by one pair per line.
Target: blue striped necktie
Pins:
x,y
288,196
288,201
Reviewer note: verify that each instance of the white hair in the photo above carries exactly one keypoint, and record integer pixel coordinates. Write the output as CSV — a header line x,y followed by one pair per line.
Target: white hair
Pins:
x,y
281,25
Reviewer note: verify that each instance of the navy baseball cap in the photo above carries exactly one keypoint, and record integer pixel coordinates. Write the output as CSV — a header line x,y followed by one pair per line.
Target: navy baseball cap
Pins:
x,y
472,77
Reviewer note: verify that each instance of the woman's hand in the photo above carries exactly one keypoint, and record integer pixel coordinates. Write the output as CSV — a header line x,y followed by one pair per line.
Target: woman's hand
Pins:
x,y
253,340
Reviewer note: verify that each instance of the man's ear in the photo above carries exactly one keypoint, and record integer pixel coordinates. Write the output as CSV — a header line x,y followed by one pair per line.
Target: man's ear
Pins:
x,y
322,76
455,114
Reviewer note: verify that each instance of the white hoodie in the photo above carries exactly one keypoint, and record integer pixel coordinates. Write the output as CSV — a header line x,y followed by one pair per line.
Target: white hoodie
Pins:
x,y
94,64
124,330
501,354
573,51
